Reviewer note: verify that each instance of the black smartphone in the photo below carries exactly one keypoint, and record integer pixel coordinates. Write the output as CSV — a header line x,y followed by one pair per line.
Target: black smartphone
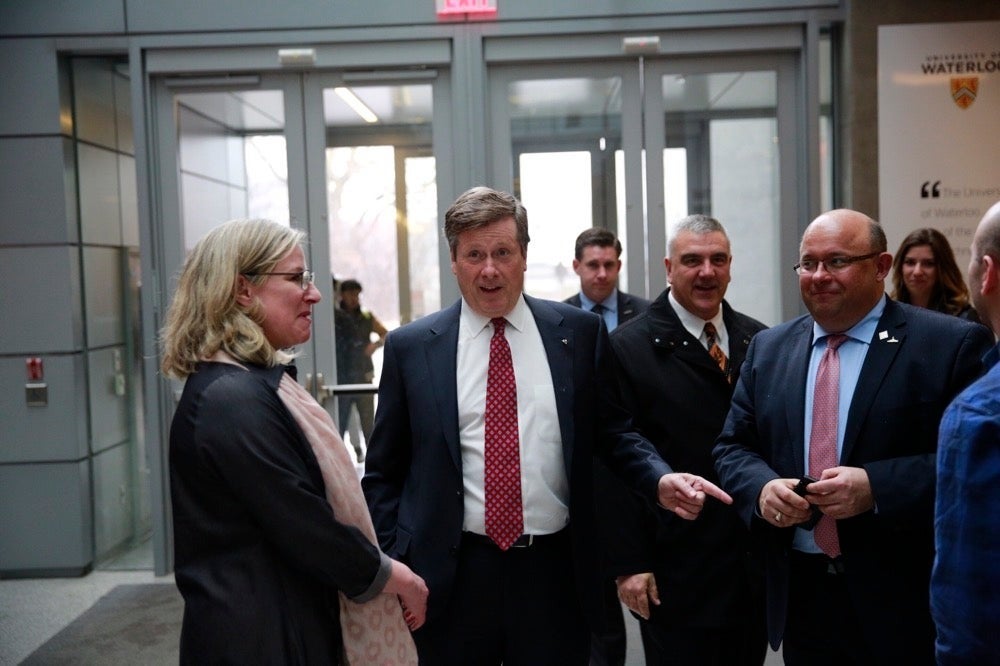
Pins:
x,y
800,490
800,487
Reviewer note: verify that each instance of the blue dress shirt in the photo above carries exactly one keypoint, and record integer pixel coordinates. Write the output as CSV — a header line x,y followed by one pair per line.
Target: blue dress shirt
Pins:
x,y
610,304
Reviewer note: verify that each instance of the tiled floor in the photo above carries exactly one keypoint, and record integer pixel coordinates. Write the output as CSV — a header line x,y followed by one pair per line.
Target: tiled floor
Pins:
x,y
34,610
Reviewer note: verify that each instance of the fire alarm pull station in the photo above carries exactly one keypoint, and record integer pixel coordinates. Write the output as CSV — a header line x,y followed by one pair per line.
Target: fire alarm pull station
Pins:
x,y
36,391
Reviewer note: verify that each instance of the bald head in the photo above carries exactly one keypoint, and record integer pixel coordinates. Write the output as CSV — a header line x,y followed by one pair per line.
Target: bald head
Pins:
x,y
983,269
840,297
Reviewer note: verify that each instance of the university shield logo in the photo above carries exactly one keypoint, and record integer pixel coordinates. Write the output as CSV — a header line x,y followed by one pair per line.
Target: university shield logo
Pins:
x,y
964,90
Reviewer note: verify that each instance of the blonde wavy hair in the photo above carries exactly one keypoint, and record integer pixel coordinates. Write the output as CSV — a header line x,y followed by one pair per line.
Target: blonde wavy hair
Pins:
x,y
204,316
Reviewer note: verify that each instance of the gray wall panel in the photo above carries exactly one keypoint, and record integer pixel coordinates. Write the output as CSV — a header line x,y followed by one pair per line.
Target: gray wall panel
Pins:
x,y
123,115
186,15
102,276
47,315
30,83
108,409
112,501
28,17
45,517
94,101
183,15
38,200
100,204
55,432
129,200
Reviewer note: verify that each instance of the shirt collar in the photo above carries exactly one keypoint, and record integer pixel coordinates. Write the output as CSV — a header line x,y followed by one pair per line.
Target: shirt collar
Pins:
x,y
863,331
609,303
694,324
475,323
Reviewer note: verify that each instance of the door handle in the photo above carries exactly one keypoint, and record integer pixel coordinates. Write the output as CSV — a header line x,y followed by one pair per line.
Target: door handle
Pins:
x,y
322,391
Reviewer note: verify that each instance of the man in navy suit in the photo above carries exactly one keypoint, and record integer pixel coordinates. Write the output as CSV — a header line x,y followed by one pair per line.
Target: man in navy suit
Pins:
x,y
598,262
429,474
853,588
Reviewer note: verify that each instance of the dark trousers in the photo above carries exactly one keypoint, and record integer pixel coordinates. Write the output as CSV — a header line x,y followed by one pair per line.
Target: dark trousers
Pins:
x,y
366,417
743,644
515,607
824,629
608,647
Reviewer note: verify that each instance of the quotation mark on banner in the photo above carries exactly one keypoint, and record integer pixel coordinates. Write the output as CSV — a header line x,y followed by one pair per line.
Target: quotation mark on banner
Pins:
x,y
930,190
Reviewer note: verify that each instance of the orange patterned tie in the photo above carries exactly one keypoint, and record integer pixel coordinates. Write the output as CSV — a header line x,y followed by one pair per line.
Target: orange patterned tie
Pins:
x,y
502,482
714,350
823,436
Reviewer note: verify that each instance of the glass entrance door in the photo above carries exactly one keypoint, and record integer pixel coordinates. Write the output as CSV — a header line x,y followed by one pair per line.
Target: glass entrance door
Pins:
x,y
351,162
579,151
560,143
719,130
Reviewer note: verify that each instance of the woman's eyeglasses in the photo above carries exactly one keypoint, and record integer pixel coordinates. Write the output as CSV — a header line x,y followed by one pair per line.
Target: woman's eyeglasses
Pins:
x,y
305,278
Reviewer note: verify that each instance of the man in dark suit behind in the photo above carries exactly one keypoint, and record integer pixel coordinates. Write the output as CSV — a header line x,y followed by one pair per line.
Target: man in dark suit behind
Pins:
x,y
678,394
430,483
865,380
598,262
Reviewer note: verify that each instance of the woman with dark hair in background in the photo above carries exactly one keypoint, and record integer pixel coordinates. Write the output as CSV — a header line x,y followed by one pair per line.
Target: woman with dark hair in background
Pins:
x,y
924,273
275,554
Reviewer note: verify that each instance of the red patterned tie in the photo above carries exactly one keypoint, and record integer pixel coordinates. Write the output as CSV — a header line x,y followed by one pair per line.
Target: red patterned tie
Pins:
x,y
823,437
714,350
502,483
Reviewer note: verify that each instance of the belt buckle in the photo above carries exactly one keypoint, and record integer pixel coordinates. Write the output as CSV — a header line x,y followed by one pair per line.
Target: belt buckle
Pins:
x,y
526,544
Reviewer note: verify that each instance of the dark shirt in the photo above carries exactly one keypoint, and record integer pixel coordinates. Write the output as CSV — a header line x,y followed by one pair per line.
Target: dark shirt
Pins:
x,y
354,330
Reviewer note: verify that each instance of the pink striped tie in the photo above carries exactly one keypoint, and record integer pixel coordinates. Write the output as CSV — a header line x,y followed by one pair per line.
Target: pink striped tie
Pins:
x,y
502,473
823,437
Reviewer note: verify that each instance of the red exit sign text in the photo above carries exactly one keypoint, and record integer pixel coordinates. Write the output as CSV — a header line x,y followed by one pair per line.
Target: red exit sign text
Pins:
x,y
448,7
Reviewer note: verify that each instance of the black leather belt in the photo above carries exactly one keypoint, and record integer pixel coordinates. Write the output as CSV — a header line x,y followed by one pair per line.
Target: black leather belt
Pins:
x,y
832,566
523,541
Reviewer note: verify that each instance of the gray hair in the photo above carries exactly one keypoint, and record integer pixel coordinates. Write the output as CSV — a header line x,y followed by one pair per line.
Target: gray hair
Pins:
x,y
698,224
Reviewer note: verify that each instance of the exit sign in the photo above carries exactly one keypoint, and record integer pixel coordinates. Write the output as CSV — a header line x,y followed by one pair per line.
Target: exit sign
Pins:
x,y
449,7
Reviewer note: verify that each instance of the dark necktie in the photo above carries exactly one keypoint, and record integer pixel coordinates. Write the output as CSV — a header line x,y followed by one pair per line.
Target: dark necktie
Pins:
x,y
823,436
502,465
714,350
598,310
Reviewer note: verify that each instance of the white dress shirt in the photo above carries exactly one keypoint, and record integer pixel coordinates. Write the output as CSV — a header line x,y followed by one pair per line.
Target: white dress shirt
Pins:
x,y
695,325
544,485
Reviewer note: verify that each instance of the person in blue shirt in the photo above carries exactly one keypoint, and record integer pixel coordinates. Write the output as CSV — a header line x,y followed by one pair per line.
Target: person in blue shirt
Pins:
x,y
965,583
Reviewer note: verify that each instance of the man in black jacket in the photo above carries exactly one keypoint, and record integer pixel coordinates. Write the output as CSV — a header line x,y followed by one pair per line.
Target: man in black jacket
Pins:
x,y
695,585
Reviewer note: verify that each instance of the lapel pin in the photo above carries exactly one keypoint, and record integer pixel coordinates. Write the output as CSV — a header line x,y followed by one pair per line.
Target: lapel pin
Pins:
x,y
565,341
892,339
882,335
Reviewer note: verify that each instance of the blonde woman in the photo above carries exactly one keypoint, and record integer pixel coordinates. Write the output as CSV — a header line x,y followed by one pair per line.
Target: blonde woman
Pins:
x,y
274,549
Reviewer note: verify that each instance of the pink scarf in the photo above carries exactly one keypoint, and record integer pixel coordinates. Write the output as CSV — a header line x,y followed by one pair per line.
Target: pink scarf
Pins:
x,y
374,632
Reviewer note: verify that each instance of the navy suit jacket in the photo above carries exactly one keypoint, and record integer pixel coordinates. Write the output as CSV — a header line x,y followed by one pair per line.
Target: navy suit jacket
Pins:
x,y
413,481
917,362
628,305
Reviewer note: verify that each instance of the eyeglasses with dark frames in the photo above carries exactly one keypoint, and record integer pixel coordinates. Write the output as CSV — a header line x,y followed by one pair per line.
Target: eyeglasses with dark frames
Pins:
x,y
832,265
305,278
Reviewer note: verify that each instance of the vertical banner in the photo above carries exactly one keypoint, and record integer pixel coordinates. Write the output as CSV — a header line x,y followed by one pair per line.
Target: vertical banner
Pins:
x,y
938,129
